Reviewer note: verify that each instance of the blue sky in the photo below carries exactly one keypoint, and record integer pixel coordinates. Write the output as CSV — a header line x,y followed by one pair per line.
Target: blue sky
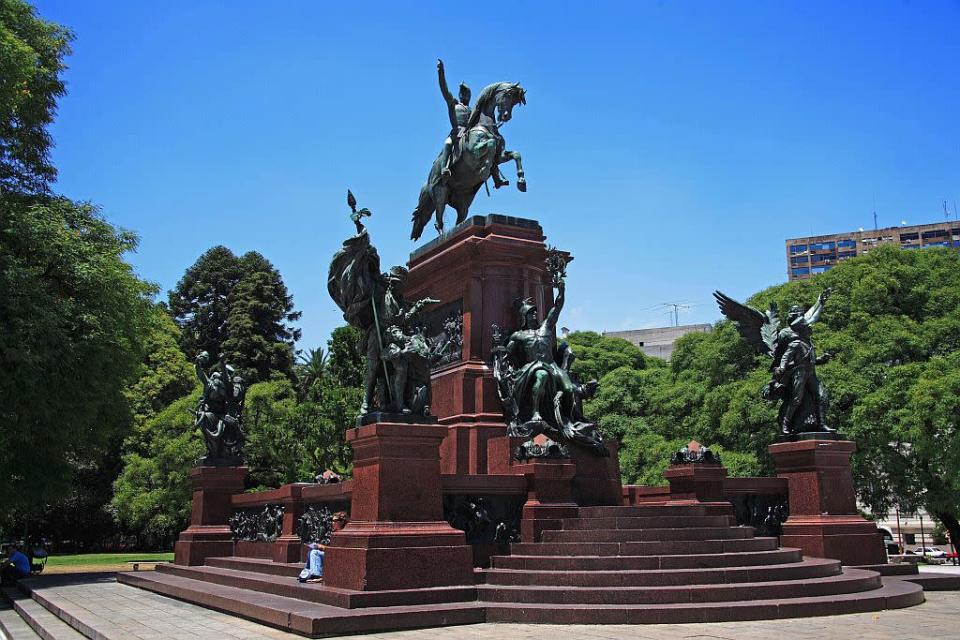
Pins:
x,y
670,146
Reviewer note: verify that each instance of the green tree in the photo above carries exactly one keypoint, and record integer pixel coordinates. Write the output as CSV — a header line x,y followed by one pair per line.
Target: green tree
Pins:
x,y
238,306
199,303
31,61
346,356
893,322
310,370
165,373
258,339
75,319
152,493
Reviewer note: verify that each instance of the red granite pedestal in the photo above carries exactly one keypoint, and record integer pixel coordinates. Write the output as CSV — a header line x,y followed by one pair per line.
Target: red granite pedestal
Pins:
x,y
209,532
549,496
696,482
823,518
478,268
397,537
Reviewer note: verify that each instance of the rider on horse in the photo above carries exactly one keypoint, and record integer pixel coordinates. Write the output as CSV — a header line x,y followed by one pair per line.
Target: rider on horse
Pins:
x,y
459,112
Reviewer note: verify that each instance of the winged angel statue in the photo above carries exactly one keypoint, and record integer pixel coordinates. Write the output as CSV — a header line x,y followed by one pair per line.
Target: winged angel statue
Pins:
x,y
794,363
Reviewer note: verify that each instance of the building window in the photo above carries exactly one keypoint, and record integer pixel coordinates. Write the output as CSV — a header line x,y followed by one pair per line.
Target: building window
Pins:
x,y
909,246
823,246
799,259
907,237
798,248
846,244
846,254
801,271
909,538
945,243
936,233
820,269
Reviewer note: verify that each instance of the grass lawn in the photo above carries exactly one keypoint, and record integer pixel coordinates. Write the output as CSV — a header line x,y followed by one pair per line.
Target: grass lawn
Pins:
x,y
84,562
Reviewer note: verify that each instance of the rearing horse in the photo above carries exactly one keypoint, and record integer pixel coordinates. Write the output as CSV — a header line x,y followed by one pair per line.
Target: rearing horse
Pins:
x,y
478,151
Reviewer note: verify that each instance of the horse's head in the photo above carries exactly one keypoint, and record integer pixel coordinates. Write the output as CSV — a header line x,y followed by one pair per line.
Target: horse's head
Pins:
x,y
510,94
496,102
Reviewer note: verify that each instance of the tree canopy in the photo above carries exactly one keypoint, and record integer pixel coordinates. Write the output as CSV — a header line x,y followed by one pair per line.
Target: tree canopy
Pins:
x,y
238,306
74,318
31,61
893,323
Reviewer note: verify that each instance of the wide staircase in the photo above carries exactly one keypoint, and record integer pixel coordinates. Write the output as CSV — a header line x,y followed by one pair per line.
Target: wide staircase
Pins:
x,y
672,563
611,565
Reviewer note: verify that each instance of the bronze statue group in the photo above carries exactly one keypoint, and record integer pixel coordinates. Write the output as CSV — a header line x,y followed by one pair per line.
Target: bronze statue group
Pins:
x,y
542,401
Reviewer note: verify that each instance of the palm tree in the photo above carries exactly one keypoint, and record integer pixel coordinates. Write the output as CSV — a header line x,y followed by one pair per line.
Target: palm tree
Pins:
x,y
311,367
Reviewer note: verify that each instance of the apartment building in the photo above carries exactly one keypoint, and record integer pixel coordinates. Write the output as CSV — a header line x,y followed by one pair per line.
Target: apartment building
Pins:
x,y
809,256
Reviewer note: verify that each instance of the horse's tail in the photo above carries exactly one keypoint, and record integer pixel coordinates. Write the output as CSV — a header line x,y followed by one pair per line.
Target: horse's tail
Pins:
x,y
423,212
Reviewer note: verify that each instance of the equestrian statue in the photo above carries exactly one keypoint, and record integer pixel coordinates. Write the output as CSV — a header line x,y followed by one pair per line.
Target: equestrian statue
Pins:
x,y
471,153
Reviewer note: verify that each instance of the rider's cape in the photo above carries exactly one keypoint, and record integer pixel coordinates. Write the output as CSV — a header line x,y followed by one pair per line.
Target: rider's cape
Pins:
x,y
354,279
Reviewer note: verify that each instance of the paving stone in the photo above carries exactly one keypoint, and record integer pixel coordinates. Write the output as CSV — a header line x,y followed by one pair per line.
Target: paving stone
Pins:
x,y
130,613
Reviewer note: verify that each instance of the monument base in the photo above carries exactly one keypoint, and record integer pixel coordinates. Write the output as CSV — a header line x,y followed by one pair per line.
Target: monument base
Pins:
x,y
823,520
397,538
696,482
209,533
375,556
850,539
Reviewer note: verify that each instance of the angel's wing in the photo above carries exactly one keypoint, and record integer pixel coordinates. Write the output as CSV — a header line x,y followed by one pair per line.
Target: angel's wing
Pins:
x,y
758,329
771,328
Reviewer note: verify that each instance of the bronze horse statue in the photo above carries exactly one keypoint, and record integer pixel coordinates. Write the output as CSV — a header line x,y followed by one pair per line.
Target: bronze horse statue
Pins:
x,y
478,151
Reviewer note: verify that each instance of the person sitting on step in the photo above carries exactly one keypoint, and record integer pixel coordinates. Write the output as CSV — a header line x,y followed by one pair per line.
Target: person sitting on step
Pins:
x,y
313,569
16,566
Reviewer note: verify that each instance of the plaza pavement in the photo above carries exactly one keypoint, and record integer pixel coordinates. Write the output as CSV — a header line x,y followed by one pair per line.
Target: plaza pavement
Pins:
x,y
107,610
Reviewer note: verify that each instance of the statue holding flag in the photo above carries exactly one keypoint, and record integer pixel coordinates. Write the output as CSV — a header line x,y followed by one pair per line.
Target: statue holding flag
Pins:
x,y
397,378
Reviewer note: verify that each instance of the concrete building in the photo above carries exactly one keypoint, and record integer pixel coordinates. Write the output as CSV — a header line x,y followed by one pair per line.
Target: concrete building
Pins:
x,y
809,256
659,341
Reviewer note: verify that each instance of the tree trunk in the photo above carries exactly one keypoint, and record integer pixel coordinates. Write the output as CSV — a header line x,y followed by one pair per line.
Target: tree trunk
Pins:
x,y
950,522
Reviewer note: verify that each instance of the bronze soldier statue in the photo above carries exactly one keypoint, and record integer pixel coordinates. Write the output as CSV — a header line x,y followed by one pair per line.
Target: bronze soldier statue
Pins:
x,y
536,388
219,412
794,362
374,303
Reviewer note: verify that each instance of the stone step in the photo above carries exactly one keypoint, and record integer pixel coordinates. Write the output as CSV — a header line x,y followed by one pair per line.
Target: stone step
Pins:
x,y
257,565
657,510
806,569
932,581
892,595
318,592
647,535
652,548
12,626
850,581
41,621
299,616
645,522
626,563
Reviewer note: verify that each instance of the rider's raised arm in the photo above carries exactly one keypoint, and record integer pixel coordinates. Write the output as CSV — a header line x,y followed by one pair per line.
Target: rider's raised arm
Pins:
x,y
202,375
554,314
447,96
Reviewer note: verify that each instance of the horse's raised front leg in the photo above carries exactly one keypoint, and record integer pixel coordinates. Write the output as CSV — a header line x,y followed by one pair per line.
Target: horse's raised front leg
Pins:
x,y
440,194
515,156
